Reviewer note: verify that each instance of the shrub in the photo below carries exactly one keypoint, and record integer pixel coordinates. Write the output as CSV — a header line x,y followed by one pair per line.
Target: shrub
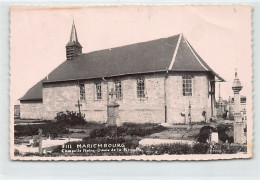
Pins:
x,y
52,129
110,131
212,120
28,130
222,133
70,118
126,129
199,123
145,129
16,152
176,148
200,148
228,149
223,127
197,148
90,125
204,134
55,129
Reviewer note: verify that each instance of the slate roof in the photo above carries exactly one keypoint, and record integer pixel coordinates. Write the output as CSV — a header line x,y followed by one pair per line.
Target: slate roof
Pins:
x,y
166,54
34,93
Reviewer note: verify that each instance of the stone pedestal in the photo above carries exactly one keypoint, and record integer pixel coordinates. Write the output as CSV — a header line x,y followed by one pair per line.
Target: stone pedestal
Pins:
x,y
40,142
239,136
112,114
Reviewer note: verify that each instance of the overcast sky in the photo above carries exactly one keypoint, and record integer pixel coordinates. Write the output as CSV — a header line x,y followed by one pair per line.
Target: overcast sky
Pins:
x,y
220,34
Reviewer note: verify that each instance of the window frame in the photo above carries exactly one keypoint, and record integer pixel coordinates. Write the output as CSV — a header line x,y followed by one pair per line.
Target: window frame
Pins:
x,y
98,95
187,85
118,89
140,90
82,92
242,100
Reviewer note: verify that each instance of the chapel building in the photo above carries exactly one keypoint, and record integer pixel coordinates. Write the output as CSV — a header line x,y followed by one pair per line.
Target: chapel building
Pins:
x,y
158,81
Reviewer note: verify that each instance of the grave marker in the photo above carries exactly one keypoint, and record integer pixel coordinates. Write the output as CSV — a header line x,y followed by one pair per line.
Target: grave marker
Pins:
x,y
239,136
78,105
40,142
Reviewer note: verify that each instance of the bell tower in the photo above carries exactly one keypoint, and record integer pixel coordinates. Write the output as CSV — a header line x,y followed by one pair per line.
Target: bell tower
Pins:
x,y
73,47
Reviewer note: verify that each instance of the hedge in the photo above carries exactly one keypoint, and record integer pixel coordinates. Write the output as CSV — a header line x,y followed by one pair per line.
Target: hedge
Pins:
x,y
131,129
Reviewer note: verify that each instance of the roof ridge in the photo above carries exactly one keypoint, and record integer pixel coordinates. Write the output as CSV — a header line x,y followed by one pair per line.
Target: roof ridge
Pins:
x,y
130,44
175,51
195,54
205,64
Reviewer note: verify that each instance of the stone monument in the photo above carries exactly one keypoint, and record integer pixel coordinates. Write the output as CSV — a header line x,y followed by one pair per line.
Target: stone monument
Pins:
x,y
112,110
40,142
239,136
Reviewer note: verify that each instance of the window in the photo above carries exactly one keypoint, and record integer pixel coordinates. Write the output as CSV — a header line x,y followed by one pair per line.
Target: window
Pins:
x,y
243,100
82,91
118,90
98,91
140,88
187,85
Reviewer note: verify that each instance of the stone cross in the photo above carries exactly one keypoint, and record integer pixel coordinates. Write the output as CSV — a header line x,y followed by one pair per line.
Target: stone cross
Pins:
x,y
188,116
112,95
239,136
78,105
189,113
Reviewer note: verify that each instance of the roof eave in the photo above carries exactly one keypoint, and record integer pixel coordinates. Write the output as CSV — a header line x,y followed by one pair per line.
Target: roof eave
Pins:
x,y
219,77
33,99
137,73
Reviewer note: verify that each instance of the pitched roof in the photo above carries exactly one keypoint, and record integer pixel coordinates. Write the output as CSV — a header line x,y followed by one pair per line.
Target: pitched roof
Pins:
x,y
166,54
34,93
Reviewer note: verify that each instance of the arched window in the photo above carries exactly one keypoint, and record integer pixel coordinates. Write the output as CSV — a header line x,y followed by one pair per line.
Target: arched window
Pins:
x,y
187,85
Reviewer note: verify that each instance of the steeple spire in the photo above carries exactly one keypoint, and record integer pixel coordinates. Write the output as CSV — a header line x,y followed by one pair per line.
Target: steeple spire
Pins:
x,y
73,35
73,47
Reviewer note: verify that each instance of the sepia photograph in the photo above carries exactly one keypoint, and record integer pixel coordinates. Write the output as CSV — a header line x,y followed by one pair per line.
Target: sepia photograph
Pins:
x,y
139,82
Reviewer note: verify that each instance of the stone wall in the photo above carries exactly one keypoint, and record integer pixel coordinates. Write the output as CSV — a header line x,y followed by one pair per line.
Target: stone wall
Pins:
x,y
31,110
178,105
61,97
149,109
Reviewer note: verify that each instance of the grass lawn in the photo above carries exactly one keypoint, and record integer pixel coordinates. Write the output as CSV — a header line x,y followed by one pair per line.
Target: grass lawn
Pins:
x,y
177,133
148,130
